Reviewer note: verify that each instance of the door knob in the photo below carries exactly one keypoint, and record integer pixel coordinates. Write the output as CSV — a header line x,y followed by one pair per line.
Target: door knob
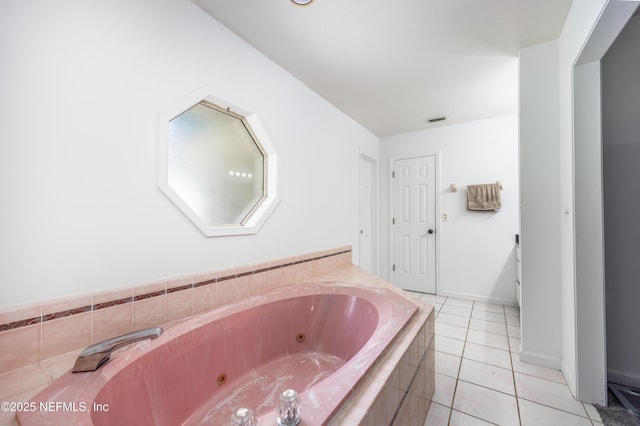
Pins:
x,y
430,231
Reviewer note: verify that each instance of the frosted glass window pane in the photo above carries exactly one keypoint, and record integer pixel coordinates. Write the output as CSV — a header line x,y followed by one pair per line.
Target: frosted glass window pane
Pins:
x,y
215,165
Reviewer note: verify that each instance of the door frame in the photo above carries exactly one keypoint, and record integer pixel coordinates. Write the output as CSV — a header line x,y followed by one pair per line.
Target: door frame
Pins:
x,y
590,368
392,248
374,213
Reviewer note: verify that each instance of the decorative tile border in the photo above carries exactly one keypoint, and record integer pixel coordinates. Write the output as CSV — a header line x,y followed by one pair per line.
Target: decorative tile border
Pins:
x,y
203,283
94,307
149,295
65,313
108,304
21,323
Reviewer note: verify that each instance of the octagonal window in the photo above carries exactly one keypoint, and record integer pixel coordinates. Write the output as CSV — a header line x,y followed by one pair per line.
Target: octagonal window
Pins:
x,y
217,165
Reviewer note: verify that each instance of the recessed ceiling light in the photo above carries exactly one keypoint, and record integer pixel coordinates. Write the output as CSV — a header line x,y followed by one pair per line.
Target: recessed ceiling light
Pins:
x,y
302,2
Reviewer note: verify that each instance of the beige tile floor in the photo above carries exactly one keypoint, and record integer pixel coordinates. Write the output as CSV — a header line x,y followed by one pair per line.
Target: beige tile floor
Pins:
x,y
480,379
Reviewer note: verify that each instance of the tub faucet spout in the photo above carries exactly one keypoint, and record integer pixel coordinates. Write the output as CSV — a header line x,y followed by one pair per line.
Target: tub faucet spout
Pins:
x,y
97,354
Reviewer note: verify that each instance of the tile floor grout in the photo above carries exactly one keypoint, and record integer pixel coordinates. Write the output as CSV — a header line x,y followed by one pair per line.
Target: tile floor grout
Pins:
x,y
539,410
513,373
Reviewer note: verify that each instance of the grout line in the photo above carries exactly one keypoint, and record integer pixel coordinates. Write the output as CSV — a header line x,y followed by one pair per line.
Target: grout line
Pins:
x,y
455,387
475,417
406,393
460,368
513,374
560,409
511,352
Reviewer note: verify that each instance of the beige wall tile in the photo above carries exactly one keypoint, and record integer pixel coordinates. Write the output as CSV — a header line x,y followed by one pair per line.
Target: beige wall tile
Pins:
x,y
305,270
147,288
205,298
112,322
316,267
206,276
111,295
386,404
20,347
22,312
229,272
226,291
406,371
290,259
179,304
344,259
404,414
244,286
320,266
179,282
260,282
274,278
291,274
65,334
65,303
149,313
261,266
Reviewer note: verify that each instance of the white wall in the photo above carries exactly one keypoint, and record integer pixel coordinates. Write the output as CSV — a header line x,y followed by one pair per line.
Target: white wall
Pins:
x,y
574,44
562,340
621,152
476,251
82,85
589,236
589,30
546,137
540,205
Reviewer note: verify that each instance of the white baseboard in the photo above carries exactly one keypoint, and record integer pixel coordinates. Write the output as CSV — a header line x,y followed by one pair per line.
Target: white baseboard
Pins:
x,y
623,378
467,296
541,360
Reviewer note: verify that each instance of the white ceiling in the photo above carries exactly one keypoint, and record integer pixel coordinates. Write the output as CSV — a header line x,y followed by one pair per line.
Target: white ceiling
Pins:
x,y
392,64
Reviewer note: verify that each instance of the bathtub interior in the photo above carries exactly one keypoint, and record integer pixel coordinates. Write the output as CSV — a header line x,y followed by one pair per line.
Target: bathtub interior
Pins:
x,y
245,359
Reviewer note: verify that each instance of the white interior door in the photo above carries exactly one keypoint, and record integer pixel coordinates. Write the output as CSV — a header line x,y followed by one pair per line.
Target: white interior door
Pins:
x,y
413,222
367,188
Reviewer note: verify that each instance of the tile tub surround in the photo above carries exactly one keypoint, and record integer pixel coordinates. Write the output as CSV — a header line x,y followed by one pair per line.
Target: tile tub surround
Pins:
x,y
342,321
376,392
40,331
399,390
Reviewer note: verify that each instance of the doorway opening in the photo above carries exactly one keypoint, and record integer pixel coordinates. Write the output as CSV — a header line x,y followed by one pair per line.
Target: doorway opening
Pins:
x,y
592,339
368,253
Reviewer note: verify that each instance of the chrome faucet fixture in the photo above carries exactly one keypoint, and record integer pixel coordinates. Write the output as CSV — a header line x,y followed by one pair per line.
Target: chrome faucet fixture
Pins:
x,y
289,408
97,354
243,417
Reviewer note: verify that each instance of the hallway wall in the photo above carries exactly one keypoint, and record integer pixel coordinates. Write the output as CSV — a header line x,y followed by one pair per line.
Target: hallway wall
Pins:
x,y
540,212
621,156
475,250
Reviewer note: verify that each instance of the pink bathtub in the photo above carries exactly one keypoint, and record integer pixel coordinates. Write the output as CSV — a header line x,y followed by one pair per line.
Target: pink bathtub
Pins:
x,y
319,339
